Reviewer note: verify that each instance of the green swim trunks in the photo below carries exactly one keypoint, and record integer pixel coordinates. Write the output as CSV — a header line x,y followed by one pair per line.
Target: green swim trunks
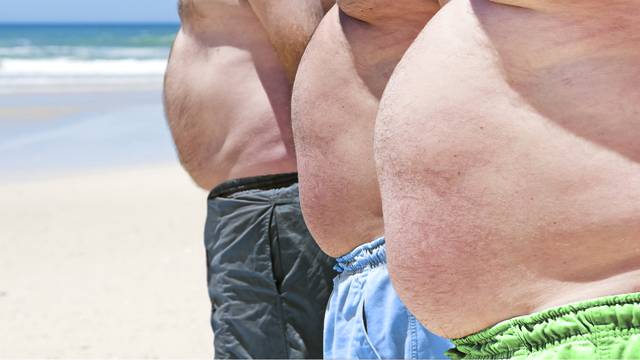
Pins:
x,y
605,328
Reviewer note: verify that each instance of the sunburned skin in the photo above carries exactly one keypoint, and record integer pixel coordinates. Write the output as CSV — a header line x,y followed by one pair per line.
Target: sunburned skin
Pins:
x,y
335,101
228,85
508,151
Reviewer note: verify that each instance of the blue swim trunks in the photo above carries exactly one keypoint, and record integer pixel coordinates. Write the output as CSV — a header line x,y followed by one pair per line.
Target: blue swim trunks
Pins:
x,y
365,319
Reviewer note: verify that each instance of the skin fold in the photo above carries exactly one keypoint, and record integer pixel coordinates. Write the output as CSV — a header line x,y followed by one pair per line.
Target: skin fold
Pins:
x,y
509,163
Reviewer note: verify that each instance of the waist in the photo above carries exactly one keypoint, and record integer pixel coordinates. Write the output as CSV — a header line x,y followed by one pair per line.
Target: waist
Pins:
x,y
365,256
266,182
215,170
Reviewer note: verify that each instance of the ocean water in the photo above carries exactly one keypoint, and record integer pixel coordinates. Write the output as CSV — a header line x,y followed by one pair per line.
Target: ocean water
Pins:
x,y
36,55
81,97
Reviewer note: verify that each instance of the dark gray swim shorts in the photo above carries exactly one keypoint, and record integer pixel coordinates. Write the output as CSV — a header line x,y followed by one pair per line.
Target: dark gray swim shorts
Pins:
x,y
269,282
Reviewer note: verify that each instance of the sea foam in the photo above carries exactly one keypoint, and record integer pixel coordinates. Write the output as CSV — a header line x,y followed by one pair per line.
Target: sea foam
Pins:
x,y
19,75
61,66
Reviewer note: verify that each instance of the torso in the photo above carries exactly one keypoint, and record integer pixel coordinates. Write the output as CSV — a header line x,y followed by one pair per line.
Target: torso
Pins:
x,y
226,80
509,153
335,101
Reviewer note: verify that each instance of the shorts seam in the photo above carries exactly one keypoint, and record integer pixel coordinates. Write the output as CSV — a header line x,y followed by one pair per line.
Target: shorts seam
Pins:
x,y
414,336
362,320
279,305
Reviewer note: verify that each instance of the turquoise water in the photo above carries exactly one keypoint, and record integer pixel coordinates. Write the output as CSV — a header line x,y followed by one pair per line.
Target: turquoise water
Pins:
x,y
93,41
42,55
109,78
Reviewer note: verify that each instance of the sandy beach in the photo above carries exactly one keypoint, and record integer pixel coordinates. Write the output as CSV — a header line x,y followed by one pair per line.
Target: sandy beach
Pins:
x,y
106,264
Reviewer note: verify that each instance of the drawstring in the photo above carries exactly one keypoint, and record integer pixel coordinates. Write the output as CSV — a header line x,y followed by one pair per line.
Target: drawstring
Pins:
x,y
367,255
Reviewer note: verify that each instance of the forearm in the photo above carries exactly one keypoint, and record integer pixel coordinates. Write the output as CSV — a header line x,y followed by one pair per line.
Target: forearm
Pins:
x,y
396,14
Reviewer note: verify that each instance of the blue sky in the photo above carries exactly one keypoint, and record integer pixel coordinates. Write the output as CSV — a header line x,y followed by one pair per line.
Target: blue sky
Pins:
x,y
88,11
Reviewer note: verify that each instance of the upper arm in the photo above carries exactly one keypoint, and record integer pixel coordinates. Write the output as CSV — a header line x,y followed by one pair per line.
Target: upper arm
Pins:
x,y
290,25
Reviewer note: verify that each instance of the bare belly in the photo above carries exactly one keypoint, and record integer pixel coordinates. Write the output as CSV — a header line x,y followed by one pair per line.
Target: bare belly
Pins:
x,y
228,104
510,169
333,118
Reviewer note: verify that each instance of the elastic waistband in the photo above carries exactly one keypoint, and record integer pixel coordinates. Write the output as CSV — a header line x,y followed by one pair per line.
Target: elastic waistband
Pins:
x,y
266,182
534,332
367,255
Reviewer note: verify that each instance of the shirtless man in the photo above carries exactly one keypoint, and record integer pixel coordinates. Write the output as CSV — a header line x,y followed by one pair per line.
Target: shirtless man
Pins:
x,y
335,101
508,149
227,98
